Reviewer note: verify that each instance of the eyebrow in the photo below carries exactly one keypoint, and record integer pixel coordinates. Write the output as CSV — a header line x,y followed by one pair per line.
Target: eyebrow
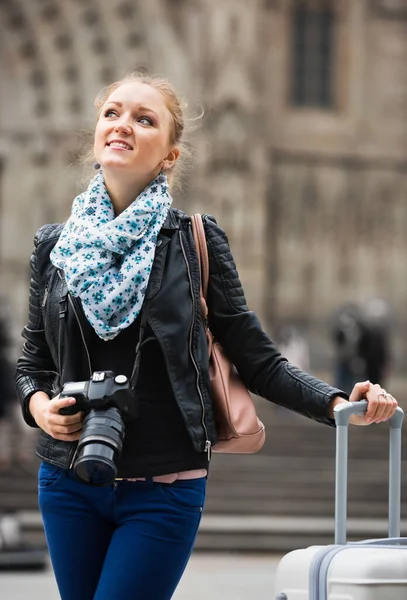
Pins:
x,y
140,108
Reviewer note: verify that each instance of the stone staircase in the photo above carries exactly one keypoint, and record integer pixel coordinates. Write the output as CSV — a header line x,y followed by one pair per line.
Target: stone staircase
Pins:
x,y
278,499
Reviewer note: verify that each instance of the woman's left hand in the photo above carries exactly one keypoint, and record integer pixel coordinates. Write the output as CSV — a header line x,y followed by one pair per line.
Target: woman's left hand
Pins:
x,y
381,404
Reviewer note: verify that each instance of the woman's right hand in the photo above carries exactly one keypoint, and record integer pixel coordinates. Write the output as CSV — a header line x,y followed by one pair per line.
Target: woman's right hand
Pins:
x,y
45,412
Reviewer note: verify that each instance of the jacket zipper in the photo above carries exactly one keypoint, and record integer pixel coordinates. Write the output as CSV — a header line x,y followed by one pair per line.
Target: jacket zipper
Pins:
x,y
207,441
63,307
71,302
44,300
45,295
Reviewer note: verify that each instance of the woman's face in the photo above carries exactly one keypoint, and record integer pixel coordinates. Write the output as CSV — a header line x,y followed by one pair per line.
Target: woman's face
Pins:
x,y
133,131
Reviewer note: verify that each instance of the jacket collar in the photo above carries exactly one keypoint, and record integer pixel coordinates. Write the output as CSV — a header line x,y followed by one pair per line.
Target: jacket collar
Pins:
x,y
171,221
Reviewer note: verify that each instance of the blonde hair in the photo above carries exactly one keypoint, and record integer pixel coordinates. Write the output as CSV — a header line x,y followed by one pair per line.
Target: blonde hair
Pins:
x,y
176,106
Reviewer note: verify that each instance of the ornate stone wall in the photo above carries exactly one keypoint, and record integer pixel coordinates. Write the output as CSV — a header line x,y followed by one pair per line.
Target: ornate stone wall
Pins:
x,y
314,202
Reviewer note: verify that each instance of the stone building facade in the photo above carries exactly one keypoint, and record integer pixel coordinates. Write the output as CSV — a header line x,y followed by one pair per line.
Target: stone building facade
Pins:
x,y
302,152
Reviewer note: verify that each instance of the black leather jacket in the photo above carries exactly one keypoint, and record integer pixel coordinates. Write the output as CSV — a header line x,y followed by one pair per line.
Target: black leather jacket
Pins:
x,y
55,348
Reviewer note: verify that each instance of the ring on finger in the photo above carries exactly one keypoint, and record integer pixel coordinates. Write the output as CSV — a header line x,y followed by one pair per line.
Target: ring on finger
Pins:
x,y
383,393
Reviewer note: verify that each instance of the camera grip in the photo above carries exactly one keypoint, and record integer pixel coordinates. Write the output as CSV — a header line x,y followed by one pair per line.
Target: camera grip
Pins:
x,y
72,409
69,410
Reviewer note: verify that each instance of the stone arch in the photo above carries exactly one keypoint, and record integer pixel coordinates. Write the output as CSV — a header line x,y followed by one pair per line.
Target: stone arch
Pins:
x,y
24,66
56,55
62,53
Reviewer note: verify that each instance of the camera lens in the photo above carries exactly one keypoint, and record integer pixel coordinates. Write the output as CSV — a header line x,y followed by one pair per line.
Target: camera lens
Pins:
x,y
99,447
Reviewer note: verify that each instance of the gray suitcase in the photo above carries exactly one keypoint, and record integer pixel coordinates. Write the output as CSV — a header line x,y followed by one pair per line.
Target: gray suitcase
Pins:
x,y
368,570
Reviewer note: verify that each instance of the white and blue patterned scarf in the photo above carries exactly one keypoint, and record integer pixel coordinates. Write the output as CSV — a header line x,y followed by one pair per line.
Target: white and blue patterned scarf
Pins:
x,y
107,260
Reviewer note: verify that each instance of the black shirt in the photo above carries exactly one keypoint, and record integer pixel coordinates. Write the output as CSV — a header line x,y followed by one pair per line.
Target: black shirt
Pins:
x,y
157,442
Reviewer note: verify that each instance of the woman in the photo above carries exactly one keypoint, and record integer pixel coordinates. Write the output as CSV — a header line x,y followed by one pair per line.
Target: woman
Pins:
x,y
122,272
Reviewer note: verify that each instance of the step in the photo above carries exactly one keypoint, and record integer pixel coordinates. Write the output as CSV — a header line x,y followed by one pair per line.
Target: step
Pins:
x,y
255,533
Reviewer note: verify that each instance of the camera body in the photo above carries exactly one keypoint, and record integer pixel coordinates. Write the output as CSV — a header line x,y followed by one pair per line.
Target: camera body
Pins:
x,y
104,389
104,399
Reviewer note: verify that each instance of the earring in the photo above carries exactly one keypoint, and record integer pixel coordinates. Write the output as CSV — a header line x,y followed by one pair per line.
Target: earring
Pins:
x,y
96,166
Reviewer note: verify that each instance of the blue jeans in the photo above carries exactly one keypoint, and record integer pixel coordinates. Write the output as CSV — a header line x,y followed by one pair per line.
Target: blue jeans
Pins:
x,y
128,541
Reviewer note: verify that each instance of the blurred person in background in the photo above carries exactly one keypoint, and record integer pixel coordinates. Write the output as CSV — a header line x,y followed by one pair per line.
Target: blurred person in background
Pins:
x,y
374,342
346,334
16,441
120,280
361,336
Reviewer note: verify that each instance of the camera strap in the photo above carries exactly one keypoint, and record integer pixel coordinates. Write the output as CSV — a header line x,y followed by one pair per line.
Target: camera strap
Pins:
x,y
140,342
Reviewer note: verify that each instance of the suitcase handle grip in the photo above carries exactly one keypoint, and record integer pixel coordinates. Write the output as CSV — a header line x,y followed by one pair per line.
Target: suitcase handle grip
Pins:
x,y
342,413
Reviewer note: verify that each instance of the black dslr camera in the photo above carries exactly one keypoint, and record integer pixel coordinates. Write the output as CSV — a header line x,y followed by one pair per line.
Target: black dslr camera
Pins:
x,y
104,399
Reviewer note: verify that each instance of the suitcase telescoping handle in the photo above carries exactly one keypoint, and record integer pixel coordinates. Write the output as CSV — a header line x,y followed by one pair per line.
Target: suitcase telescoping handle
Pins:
x,y
342,413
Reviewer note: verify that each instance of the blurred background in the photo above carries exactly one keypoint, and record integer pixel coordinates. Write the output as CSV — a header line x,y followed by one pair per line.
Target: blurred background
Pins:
x,y
302,158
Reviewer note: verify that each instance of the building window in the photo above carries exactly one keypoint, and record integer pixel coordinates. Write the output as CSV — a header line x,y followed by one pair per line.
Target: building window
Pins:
x,y
313,53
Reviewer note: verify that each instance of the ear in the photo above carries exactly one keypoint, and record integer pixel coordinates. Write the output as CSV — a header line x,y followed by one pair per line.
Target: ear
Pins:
x,y
171,158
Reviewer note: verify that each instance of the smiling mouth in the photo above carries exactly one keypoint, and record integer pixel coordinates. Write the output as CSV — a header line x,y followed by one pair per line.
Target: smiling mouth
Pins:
x,y
120,145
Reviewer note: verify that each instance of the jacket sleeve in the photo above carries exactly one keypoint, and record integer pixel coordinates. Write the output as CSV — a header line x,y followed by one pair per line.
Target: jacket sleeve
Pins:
x,y
259,363
36,370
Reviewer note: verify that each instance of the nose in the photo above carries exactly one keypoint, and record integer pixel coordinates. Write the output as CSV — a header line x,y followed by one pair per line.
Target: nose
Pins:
x,y
123,125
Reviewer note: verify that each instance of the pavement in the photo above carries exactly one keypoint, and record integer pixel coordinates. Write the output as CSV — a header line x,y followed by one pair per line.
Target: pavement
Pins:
x,y
215,576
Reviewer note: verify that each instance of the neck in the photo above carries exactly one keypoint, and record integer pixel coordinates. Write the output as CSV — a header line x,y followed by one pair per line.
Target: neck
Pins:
x,y
122,192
